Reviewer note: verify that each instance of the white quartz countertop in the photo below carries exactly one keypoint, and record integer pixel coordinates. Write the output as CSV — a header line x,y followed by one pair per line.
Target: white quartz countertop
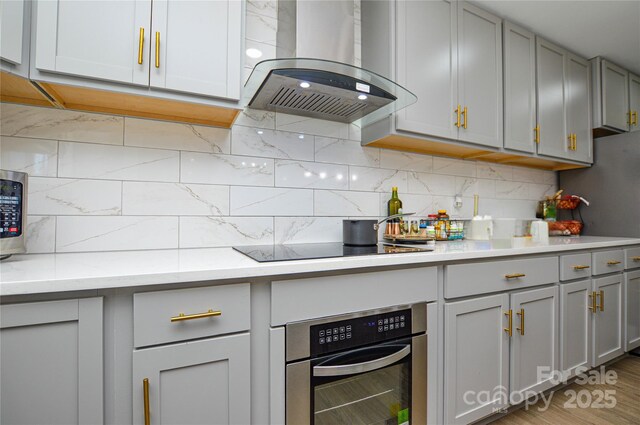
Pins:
x,y
42,273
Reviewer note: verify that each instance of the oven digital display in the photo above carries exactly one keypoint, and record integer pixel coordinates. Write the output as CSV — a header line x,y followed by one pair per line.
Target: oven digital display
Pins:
x,y
336,336
11,194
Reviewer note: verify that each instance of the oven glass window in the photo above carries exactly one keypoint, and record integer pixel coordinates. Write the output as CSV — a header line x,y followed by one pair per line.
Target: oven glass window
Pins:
x,y
379,397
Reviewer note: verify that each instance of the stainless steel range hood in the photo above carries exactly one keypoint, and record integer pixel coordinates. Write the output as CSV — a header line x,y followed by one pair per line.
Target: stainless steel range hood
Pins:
x,y
325,84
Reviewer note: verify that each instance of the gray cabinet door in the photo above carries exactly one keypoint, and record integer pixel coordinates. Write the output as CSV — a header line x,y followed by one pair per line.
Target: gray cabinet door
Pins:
x,y
608,320
578,98
634,101
51,362
575,326
615,96
550,63
632,309
519,88
427,66
476,357
11,29
480,75
206,381
535,341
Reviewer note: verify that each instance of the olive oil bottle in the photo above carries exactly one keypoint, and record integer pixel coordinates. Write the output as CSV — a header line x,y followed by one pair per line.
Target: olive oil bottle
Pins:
x,y
394,206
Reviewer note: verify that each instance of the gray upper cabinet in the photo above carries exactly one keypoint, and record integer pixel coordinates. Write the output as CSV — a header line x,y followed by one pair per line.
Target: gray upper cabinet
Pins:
x,y
52,367
519,88
551,61
450,55
578,98
634,102
615,90
480,75
15,18
427,30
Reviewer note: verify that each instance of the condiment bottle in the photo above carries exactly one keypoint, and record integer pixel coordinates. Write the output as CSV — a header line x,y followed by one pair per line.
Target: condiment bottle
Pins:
x,y
443,226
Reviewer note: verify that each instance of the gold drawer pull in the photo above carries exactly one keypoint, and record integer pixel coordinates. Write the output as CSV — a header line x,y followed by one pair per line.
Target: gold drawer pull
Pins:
x,y
635,258
514,275
521,328
612,262
145,393
593,307
581,267
209,313
509,330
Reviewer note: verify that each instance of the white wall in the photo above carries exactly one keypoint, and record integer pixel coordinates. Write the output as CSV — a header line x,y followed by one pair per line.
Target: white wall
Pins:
x,y
104,182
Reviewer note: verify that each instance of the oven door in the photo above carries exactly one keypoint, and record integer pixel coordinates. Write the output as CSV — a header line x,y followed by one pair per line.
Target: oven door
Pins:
x,y
378,385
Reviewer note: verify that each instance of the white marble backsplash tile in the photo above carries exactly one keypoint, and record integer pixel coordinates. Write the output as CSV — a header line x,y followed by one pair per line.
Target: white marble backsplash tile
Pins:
x,y
160,184
146,198
200,232
37,157
74,196
78,233
89,161
176,136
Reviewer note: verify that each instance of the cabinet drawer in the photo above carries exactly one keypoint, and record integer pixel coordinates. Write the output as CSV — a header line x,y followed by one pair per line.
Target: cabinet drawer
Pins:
x,y
632,257
492,276
608,261
575,266
153,313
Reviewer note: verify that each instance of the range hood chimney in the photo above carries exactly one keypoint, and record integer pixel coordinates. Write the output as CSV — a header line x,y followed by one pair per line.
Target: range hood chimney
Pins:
x,y
316,75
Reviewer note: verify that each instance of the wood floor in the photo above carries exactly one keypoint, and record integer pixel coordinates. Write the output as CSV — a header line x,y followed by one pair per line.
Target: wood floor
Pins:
x,y
626,410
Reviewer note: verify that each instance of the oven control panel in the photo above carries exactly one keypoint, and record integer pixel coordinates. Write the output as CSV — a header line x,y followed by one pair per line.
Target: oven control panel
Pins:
x,y
340,335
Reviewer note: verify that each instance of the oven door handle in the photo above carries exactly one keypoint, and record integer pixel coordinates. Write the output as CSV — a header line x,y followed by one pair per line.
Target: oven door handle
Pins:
x,y
352,369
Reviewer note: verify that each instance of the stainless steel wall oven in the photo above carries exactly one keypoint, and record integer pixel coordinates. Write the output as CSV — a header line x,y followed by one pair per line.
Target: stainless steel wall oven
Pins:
x,y
359,368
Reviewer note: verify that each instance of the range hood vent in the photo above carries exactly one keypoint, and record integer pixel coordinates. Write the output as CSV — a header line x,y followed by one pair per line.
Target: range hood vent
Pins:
x,y
325,90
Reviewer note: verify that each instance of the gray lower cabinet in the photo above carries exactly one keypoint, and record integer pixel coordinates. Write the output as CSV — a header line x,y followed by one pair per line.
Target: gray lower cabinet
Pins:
x,y
51,360
476,357
519,88
632,309
575,326
205,381
534,344
608,322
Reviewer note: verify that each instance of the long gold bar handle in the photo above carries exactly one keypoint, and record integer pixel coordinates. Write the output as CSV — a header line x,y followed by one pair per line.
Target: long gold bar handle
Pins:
x,y
570,137
521,314
537,131
457,111
630,118
157,49
593,306
514,275
210,313
580,267
612,262
145,391
635,258
635,120
509,330
140,45
575,142
601,300
464,118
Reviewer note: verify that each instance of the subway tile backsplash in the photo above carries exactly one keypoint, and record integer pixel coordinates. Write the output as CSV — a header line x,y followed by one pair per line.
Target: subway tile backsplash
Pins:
x,y
106,183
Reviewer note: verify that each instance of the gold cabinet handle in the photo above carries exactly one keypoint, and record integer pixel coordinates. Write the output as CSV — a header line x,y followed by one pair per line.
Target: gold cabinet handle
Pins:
x,y
581,267
514,275
601,300
509,330
457,111
145,392
593,303
630,121
537,131
521,314
140,45
570,137
575,142
464,117
612,262
635,120
157,49
209,313
635,258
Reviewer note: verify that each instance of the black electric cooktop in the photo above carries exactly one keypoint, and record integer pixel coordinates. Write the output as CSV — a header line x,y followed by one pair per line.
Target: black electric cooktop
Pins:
x,y
309,251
